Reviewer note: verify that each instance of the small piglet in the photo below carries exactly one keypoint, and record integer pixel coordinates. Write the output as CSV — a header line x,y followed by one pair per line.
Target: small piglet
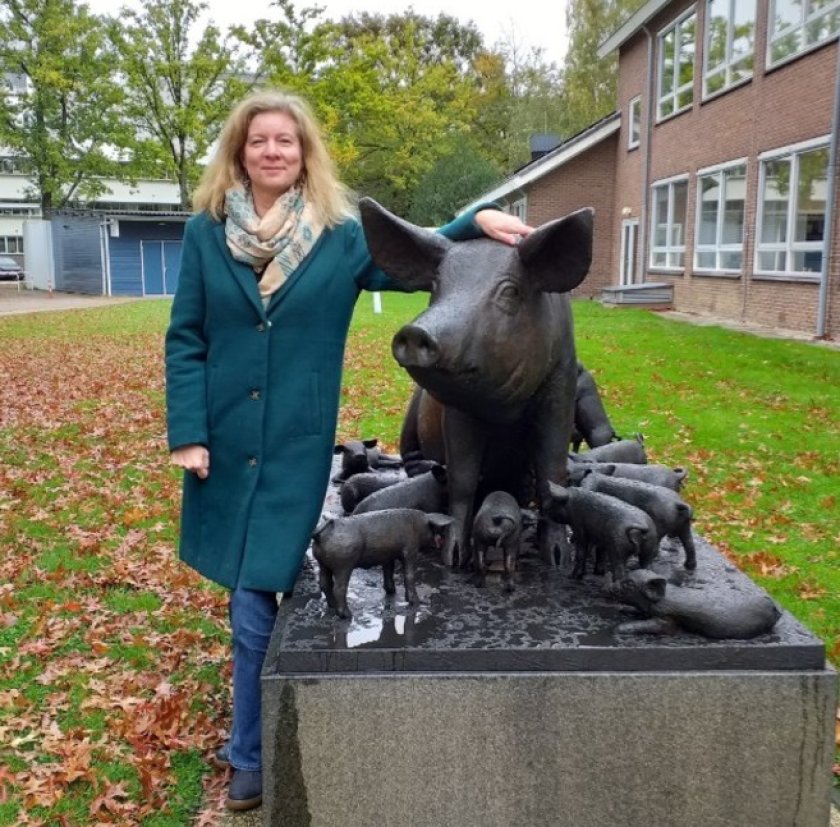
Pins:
x,y
498,524
380,538
591,421
360,456
625,450
672,478
670,513
425,493
359,486
670,609
614,529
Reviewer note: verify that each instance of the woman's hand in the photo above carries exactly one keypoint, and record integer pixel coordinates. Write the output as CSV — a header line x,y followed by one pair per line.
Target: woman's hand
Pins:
x,y
502,226
195,458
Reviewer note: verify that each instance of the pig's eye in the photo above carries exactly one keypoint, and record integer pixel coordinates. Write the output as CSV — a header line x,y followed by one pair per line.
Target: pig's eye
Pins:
x,y
508,296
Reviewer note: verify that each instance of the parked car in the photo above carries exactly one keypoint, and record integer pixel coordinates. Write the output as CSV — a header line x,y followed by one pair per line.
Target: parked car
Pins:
x,y
10,270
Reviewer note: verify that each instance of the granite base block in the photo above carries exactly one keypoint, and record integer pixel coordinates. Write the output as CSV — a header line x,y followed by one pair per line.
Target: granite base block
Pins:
x,y
583,750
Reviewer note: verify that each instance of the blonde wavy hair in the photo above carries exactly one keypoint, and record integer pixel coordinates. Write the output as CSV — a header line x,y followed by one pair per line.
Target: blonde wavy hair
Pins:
x,y
321,186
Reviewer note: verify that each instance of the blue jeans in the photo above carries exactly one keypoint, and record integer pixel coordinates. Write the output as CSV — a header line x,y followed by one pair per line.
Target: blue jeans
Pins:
x,y
252,615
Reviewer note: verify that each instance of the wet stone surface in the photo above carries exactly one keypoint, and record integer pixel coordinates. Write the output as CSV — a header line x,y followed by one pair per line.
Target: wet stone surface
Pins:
x,y
550,622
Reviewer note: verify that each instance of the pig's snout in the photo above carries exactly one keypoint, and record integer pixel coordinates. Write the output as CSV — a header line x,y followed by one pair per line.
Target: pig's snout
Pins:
x,y
414,347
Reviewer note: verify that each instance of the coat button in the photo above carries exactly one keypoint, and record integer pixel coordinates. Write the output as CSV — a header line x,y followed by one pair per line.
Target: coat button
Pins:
x,y
255,395
261,327
252,461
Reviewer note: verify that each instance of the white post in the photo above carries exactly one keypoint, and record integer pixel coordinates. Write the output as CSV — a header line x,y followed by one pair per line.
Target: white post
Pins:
x,y
377,302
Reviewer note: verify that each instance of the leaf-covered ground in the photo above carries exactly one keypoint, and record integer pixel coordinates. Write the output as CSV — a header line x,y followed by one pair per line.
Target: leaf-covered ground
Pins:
x,y
113,656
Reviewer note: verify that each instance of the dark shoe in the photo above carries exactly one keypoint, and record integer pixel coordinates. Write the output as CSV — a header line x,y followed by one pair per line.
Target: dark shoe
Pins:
x,y
245,791
221,757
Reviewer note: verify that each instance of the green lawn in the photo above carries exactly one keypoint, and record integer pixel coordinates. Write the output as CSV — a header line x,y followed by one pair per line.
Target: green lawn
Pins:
x,y
113,657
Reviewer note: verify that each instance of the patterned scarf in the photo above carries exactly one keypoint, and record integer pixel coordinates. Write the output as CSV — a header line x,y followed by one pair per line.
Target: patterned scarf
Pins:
x,y
275,244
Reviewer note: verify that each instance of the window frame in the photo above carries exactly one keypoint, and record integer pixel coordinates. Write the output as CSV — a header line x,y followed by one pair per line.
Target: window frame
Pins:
x,y
668,249
519,208
718,248
729,62
791,153
674,94
800,30
15,241
634,122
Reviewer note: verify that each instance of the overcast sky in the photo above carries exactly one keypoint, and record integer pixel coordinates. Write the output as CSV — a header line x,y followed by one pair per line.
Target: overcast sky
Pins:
x,y
535,23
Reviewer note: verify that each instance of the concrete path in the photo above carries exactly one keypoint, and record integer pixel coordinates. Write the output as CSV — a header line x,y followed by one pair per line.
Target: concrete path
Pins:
x,y
14,301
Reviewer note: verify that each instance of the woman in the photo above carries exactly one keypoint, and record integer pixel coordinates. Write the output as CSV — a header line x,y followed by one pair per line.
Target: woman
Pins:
x,y
270,271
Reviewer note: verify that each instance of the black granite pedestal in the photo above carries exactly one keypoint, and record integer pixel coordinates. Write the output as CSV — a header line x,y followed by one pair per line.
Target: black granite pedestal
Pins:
x,y
479,707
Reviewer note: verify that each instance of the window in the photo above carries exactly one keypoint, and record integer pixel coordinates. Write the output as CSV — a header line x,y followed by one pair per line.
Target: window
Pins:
x,y
797,25
676,67
11,244
669,203
730,41
791,228
719,242
634,122
518,208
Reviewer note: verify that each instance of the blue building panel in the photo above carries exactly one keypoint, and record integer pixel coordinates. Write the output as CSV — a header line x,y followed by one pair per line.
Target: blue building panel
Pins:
x,y
134,245
142,257
126,272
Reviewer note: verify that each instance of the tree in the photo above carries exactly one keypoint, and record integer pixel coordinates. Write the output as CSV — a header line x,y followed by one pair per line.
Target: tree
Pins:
x,y
536,101
61,120
177,94
453,181
396,94
589,83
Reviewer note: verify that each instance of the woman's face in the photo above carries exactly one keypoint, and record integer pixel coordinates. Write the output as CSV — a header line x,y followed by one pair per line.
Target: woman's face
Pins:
x,y
272,156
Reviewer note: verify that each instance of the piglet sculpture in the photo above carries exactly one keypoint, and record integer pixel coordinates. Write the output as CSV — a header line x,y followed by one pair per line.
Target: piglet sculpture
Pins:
x,y
498,524
380,538
426,492
672,478
670,513
613,529
494,354
361,455
668,609
625,450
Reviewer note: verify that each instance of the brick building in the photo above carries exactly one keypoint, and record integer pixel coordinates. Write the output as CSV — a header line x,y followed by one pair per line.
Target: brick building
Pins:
x,y
717,177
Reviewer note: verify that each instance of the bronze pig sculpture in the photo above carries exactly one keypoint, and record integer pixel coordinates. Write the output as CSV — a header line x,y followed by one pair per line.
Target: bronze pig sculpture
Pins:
x,y
498,524
669,609
379,538
494,354
592,424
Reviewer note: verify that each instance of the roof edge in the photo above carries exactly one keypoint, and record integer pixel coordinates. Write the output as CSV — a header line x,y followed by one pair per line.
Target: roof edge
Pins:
x,y
639,18
579,143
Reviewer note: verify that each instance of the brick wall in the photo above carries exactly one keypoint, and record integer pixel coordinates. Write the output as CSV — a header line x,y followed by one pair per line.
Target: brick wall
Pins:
x,y
586,181
777,108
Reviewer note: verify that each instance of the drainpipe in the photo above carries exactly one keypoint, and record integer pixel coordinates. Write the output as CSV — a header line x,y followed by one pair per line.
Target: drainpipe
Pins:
x,y
643,213
830,201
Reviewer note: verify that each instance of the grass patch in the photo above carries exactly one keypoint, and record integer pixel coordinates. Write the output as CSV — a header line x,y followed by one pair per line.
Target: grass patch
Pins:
x,y
114,666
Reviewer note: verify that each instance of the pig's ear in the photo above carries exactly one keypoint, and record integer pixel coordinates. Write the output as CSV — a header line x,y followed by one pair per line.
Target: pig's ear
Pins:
x,y
407,253
558,254
370,443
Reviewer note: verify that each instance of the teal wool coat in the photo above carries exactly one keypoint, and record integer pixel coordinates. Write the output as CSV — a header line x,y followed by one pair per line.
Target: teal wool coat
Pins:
x,y
259,387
